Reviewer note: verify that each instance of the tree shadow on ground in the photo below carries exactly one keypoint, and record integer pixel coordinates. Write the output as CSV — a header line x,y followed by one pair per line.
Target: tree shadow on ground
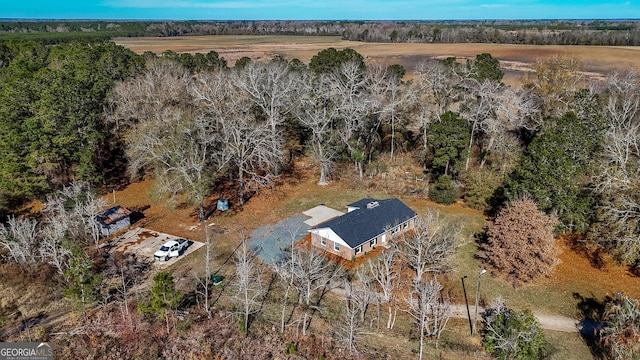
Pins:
x,y
590,311
577,243
481,238
635,269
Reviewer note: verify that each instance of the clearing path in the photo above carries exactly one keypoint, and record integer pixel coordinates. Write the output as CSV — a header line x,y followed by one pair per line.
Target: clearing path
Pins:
x,y
548,322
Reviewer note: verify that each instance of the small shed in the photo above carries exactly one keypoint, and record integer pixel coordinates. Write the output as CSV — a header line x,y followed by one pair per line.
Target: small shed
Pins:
x,y
113,219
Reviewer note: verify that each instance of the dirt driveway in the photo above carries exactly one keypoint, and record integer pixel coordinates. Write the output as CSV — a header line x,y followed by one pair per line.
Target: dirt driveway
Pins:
x,y
144,242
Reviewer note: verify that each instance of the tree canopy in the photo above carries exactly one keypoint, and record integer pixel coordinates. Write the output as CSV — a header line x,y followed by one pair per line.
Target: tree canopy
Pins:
x,y
485,67
448,140
553,167
330,59
51,112
520,243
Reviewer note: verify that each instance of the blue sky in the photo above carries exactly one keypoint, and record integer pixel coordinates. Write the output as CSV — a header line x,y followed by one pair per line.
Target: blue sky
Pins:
x,y
319,9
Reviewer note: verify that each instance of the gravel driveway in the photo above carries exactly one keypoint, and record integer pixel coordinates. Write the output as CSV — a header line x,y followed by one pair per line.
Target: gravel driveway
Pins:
x,y
269,242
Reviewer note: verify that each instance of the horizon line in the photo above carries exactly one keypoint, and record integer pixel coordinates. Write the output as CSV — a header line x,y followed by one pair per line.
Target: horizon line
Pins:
x,y
318,20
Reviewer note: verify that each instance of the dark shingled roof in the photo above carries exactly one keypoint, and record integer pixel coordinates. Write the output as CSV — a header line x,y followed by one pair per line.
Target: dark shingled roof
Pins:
x,y
361,203
359,226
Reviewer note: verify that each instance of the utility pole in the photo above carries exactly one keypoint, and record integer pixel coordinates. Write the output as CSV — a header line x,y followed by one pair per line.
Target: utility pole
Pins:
x,y
467,302
475,318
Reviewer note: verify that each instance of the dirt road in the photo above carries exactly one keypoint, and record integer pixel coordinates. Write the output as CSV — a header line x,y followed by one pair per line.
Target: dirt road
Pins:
x,y
548,322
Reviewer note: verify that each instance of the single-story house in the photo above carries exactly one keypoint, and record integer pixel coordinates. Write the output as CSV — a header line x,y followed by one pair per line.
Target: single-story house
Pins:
x,y
367,223
113,219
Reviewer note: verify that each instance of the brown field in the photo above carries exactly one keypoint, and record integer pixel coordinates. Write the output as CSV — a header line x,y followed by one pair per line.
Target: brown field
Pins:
x,y
515,59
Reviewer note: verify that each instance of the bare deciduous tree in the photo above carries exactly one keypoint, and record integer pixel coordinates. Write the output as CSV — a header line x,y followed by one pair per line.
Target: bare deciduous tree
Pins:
x,y
165,135
311,272
150,96
246,143
21,239
205,282
433,241
352,104
436,89
68,219
272,88
284,269
70,214
515,110
285,274
425,305
248,283
85,204
52,248
361,292
389,96
479,108
351,327
384,271
318,115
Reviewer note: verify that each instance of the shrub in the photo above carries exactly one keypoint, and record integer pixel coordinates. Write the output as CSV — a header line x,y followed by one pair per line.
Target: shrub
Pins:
x,y
620,332
291,348
509,334
443,191
480,186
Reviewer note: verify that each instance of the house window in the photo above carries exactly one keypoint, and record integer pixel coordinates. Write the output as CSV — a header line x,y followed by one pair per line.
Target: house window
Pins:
x,y
358,250
372,243
336,246
406,225
323,241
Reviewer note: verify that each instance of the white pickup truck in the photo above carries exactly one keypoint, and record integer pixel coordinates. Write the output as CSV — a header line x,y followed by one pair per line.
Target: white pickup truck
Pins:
x,y
171,248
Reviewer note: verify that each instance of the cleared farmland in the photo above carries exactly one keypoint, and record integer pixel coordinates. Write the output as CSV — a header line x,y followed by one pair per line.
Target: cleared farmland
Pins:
x,y
515,59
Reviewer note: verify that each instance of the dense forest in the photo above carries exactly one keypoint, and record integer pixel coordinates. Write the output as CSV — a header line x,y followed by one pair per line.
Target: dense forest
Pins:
x,y
534,32
92,115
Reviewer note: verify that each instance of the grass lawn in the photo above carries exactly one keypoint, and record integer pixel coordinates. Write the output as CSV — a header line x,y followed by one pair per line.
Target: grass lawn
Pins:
x,y
567,346
574,281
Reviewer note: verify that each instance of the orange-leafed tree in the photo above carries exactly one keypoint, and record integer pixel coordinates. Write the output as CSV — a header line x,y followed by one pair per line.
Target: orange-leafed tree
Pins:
x,y
520,243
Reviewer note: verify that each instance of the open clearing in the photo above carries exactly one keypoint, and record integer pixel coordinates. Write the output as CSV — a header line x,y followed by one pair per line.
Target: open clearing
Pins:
x,y
578,279
515,59
575,282
144,242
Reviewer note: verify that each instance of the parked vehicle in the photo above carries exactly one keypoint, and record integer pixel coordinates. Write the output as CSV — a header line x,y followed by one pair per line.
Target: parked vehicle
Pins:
x,y
172,248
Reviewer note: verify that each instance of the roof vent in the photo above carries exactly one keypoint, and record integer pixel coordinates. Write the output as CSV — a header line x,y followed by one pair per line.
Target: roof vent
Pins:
x,y
372,204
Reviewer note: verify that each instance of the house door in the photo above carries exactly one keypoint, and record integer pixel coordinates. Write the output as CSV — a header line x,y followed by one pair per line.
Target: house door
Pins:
x,y
384,238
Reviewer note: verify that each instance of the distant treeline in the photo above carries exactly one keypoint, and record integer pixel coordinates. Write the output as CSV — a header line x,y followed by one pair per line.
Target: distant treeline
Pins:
x,y
540,32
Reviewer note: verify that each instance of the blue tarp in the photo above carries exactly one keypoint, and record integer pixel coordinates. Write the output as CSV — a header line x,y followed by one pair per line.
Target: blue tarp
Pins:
x,y
223,204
